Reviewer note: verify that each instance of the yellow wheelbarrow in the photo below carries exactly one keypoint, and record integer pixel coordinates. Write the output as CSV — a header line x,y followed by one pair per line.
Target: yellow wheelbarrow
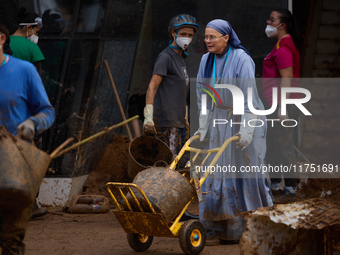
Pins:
x,y
156,200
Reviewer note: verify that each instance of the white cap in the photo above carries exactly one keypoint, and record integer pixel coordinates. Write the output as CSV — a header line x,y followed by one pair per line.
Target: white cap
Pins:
x,y
38,23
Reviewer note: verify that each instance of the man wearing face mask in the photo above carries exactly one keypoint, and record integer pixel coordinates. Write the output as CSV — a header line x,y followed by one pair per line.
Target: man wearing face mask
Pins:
x,y
168,91
24,40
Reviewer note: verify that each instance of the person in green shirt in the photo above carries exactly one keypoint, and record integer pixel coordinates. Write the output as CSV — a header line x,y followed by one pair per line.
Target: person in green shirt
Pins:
x,y
24,41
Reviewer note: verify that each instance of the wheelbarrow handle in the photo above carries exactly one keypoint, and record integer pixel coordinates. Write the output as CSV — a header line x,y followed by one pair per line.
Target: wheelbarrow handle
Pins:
x,y
218,155
184,148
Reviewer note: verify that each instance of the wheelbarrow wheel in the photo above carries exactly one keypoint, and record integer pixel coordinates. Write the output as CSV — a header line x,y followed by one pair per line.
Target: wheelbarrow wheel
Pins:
x,y
192,237
139,242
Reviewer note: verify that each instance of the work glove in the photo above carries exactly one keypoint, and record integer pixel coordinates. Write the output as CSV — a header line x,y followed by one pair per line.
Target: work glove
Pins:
x,y
281,117
148,125
26,129
203,125
186,124
246,132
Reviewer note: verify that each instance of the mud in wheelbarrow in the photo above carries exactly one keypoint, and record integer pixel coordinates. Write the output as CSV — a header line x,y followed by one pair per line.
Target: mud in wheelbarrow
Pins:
x,y
157,200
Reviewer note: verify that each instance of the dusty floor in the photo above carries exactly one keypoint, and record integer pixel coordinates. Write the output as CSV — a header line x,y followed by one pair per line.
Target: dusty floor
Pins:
x,y
60,233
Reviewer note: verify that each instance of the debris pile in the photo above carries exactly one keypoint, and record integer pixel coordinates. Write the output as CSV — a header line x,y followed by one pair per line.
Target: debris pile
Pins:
x,y
111,168
321,188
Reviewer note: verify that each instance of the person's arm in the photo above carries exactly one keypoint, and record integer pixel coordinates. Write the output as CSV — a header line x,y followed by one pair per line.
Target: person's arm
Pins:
x,y
149,125
287,76
152,89
43,114
203,119
284,63
286,81
247,79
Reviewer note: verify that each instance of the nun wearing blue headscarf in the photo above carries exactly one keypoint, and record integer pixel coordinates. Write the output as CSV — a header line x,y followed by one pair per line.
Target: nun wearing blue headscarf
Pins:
x,y
227,194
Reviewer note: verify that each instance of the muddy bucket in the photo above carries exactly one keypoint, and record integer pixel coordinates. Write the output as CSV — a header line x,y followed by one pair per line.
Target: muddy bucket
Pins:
x,y
144,152
22,166
167,190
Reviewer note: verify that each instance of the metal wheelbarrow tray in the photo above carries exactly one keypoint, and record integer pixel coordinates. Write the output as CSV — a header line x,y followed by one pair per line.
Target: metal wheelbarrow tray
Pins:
x,y
142,221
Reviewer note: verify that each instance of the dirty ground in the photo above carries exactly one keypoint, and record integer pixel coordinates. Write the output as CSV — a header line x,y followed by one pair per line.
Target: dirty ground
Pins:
x,y
60,233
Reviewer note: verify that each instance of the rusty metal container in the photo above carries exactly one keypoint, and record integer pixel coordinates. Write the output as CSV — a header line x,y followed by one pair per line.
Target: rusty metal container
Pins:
x,y
22,167
167,190
144,152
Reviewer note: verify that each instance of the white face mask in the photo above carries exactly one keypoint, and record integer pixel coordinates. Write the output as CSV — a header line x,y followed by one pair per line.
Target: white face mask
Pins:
x,y
33,38
272,31
183,42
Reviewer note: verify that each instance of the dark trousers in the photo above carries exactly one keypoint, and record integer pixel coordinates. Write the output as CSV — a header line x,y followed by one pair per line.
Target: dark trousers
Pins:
x,y
13,225
280,144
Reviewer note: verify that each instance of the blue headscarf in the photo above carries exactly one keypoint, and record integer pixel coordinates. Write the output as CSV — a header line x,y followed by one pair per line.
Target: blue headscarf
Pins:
x,y
224,28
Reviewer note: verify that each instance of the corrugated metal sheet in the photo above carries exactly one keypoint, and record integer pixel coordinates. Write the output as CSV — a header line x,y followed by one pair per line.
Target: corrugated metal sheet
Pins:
x,y
308,214
307,227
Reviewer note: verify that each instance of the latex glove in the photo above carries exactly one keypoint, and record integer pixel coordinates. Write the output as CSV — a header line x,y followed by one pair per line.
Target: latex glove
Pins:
x,y
26,129
281,117
186,124
203,125
148,125
246,132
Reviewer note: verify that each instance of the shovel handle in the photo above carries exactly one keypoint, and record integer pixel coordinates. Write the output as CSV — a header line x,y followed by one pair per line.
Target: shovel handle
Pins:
x,y
106,130
56,151
117,98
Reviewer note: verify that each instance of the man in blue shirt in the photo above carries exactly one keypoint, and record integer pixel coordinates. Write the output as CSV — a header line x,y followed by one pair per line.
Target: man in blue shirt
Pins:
x,y
24,111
